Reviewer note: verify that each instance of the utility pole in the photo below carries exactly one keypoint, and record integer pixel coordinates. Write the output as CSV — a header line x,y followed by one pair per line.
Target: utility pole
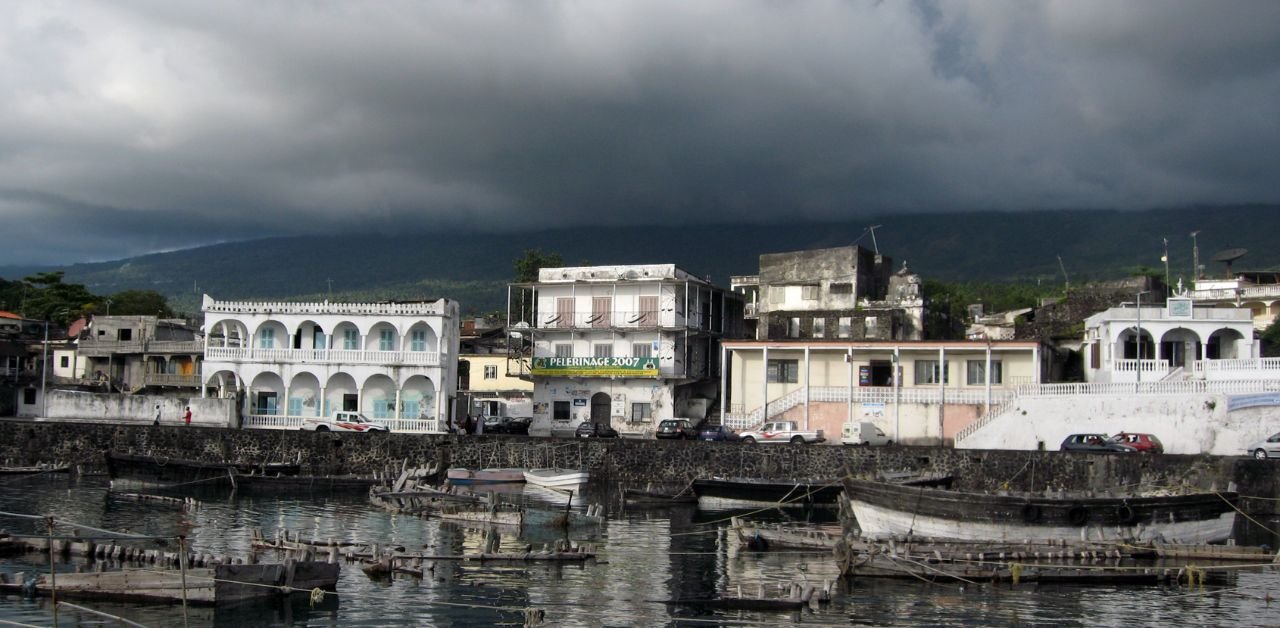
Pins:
x,y
1195,258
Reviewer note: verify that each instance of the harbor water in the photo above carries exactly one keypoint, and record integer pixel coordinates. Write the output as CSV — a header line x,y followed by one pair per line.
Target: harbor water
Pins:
x,y
646,557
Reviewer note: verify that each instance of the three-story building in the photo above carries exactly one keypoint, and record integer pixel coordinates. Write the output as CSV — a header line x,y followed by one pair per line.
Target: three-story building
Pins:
x,y
626,346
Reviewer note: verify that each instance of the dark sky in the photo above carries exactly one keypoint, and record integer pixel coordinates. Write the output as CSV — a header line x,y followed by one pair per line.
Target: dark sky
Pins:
x,y
133,127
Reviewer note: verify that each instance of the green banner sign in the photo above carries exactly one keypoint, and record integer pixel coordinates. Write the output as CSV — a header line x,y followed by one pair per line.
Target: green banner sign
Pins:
x,y
596,367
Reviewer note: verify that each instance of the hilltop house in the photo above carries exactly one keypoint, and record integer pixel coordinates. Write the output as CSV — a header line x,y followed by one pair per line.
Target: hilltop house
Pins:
x,y
621,345
395,362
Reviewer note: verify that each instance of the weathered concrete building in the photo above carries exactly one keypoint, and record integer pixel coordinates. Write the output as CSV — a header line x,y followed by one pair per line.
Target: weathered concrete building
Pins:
x,y
621,345
485,387
1256,291
136,352
837,293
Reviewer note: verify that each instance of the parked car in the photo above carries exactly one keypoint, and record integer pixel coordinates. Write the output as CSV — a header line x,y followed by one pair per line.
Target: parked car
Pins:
x,y
344,422
782,432
1144,443
1264,449
507,425
676,428
1095,443
717,433
863,433
595,430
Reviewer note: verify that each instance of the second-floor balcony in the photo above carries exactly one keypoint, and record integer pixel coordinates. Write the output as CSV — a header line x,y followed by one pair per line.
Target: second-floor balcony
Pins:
x,y
626,320
322,356
95,348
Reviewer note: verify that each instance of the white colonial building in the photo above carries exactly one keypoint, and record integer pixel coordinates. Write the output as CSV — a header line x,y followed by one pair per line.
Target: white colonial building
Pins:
x,y
395,362
625,346
1174,342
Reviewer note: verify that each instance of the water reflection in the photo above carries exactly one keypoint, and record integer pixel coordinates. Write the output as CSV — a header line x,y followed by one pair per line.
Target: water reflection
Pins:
x,y
646,555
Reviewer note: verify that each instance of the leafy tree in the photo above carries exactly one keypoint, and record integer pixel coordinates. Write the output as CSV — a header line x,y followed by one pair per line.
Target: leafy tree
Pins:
x,y
1271,339
527,267
138,302
48,298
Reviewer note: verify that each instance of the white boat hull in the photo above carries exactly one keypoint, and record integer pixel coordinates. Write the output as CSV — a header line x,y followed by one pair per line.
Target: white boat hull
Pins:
x,y
881,523
556,478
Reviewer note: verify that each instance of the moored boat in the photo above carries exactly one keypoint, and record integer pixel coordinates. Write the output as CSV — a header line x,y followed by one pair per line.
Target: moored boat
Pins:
x,y
762,492
485,476
885,510
648,497
557,478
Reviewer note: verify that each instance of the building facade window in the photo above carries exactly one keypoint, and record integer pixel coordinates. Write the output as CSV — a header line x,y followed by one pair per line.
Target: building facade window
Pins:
x,y
418,340
642,349
386,340
564,350
648,311
640,412
793,327
350,339
819,327
844,326
267,339
977,372
491,371
809,293
841,288
783,371
66,361
602,350
561,411
927,372
564,312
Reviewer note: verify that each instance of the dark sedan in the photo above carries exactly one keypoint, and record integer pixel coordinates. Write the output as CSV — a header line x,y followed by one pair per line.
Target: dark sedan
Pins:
x,y
676,428
1098,443
595,430
507,425
717,433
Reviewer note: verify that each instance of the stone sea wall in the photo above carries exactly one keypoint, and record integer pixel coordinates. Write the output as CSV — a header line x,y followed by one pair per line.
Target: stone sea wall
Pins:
x,y
628,462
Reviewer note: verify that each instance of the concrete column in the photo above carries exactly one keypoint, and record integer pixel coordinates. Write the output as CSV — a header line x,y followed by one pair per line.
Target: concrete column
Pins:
x,y
724,381
764,381
320,403
987,409
942,390
286,399
806,388
397,403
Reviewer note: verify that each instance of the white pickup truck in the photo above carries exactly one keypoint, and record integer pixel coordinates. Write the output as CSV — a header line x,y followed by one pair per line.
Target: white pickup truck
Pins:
x,y
782,432
343,422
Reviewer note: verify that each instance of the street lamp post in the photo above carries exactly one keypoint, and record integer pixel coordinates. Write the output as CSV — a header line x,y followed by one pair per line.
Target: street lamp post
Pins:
x,y
44,368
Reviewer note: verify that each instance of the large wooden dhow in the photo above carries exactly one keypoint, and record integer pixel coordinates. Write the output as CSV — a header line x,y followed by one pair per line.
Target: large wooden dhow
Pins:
x,y
885,510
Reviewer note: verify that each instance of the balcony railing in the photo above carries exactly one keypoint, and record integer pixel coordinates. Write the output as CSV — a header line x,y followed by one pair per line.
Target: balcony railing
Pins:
x,y
283,422
171,379
622,319
1232,294
96,348
323,356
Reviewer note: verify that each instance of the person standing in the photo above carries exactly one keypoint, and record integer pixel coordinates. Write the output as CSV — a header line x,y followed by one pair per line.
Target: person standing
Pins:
x,y
186,416
157,419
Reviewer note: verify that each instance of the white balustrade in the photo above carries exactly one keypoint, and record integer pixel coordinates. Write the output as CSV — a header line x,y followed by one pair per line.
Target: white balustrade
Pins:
x,y
323,356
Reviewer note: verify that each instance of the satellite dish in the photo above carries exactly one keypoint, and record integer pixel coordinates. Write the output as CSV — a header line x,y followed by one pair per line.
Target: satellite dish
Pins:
x,y
1228,256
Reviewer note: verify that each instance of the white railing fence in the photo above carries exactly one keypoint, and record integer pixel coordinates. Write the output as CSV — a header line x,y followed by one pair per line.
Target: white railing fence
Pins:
x,y
327,356
865,394
283,422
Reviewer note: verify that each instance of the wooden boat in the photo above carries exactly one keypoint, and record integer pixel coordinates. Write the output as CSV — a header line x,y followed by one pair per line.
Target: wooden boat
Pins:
x,y
485,476
884,510
638,497
34,470
759,536
133,470
769,492
203,586
556,478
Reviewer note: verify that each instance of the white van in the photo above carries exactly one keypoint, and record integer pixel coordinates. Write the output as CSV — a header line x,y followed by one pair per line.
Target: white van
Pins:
x,y
864,433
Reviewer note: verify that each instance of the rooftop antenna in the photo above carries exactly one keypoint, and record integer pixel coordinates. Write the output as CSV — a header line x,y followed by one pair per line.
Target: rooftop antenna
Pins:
x,y
1066,281
872,229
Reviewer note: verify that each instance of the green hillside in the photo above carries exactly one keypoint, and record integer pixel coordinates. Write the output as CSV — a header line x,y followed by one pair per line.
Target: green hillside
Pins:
x,y
474,268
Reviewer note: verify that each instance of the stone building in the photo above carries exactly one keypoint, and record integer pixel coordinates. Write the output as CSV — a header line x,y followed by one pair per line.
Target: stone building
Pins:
x,y
837,293
621,345
395,362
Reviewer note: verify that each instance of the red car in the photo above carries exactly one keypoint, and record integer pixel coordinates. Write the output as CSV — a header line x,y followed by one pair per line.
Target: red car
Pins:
x,y
1144,443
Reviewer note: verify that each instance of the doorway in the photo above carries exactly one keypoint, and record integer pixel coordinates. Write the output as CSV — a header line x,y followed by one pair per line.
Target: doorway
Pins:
x,y
600,405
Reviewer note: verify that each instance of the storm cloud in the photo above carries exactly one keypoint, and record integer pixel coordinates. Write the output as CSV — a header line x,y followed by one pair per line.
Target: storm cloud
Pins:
x,y
132,127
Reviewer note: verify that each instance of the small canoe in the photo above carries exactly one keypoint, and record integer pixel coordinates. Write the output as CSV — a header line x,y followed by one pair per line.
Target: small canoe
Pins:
x,y
557,478
485,476
641,497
